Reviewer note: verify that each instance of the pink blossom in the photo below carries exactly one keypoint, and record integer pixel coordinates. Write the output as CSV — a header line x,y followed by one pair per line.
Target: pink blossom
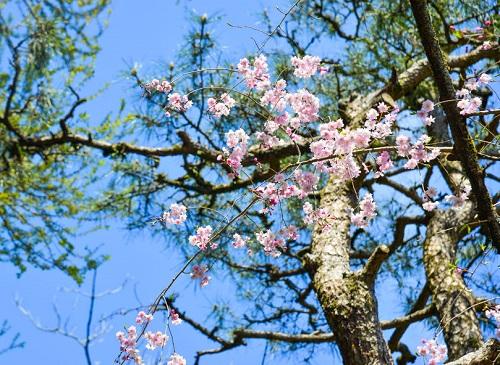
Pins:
x,y
199,272
430,206
367,211
382,107
429,120
155,85
142,317
321,149
471,84
484,79
289,232
271,243
361,138
329,130
436,353
427,106
306,180
155,339
176,359
176,215
384,163
256,77
306,66
175,318
128,343
276,97
372,114
459,199
239,241
305,104
314,215
403,144
202,238
237,143
469,105
179,103
486,46
222,107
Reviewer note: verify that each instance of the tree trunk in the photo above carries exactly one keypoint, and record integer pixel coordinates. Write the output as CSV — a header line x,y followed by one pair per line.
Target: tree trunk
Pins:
x,y
349,303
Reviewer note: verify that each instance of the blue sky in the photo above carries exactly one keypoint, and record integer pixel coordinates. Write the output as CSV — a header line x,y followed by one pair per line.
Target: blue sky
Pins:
x,y
148,32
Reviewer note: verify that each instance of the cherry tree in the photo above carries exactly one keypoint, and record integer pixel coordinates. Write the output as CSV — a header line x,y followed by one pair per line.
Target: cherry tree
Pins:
x,y
361,149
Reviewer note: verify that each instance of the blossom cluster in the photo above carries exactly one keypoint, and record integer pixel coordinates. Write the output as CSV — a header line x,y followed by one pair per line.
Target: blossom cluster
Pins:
x,y
256,77
429,194
176,359
271,243
236,149
159,86
179,102
316,216
222,107
143,317
424,112
469,104
416,153
175,318
155,339
128,343
368,210
458,200
202,238
306,66
239,241
199,272
434,352
176,214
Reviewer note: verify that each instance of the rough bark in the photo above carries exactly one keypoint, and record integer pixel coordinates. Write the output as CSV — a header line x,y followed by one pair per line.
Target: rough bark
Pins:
x,y
462,139
449,293
347,299
488,354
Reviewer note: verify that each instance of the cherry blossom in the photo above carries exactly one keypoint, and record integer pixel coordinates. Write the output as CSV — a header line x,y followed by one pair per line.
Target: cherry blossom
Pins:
x,y
276,97
428,204
176,359
458,200
306,66
367,212
176,215
307,182
256,77
155,339
142,317
384,163
495,314
305,104
436,353
239,241
175,318
271,243
202,238
314,215
179,103
128,343
199,272
237,143
222,107
155,85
